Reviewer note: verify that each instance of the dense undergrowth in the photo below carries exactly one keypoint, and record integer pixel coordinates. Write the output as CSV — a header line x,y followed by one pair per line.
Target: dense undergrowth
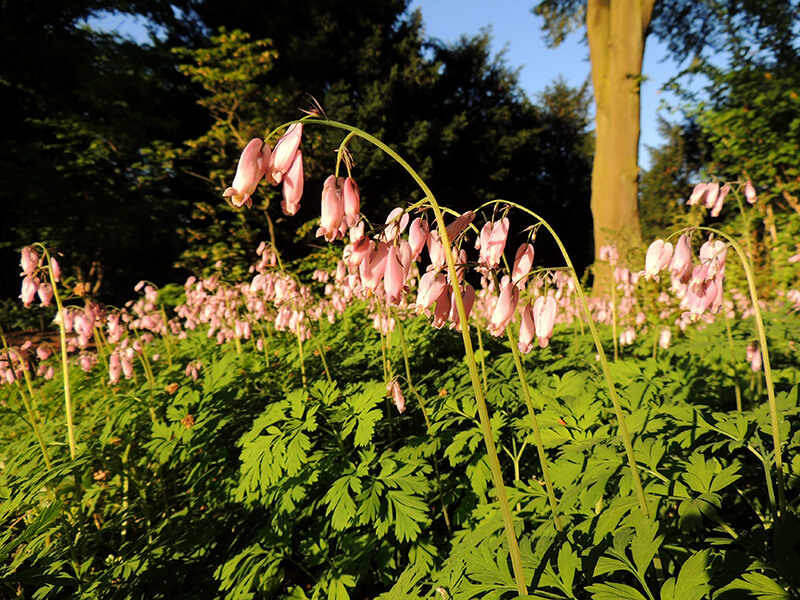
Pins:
x,y
335,438
244,484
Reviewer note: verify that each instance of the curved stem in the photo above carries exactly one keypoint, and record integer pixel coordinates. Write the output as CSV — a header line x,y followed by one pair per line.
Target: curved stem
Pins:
x,y
762,341
537,434
612,392
73,452
480,400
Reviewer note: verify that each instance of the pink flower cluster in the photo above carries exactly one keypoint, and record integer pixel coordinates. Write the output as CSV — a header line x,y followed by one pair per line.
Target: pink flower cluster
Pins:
x,y
283,164
32,283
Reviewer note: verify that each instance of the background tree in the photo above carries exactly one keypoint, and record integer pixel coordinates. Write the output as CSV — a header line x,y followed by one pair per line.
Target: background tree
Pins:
x,y
84,111
116,153
616,33
453,110
675,167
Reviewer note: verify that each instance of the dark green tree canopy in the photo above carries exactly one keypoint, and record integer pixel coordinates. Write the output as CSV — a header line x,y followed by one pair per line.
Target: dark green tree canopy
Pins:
x,y
119,158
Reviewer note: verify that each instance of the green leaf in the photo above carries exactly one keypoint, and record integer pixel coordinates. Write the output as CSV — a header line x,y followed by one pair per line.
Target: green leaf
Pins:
x,y
568,563
340,503
760,586
645,544
614,591
692,582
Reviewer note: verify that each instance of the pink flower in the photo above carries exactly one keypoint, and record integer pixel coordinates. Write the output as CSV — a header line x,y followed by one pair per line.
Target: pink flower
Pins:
x,y
352,202
492,242
712,255
45,293
418,236
468,298
360,249
681,264
395,224
504,309
717,207
712,191
431,285
658,258
373,267
284,153
609,253
126,361
527,329
697,194
56,268
43,351
460,224
293,186
664,338
436,250
332,208
750,192
442,310
29,260
544,317
754,357
394,278
29,287
523,263
114,367
393,388
249,172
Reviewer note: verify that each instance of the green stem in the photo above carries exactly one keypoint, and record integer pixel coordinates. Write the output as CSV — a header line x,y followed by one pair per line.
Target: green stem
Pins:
x,y
34,422
483,411
537,434
413,390
613,313
302,360
612,392
764,349
737,388
73,452
165,336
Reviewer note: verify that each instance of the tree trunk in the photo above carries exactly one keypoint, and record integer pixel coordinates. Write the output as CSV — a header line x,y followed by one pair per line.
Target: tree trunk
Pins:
x,y
616,30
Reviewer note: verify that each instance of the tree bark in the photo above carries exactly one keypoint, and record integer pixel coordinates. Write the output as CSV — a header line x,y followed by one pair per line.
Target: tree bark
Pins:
x,y
616,30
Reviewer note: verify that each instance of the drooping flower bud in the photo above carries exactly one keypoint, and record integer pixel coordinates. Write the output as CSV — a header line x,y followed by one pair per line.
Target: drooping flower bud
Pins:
x,y
352,202
681,264
394,277
723,192
249,172
523,263
460,224
284,153
504,309
393,389
332,208
658,258
293,186
29,260
493,242
750,192
418,236
697,194
544,317
527,329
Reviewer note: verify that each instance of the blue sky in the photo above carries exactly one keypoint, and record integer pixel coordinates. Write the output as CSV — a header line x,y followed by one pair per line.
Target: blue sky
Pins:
x,y
517,30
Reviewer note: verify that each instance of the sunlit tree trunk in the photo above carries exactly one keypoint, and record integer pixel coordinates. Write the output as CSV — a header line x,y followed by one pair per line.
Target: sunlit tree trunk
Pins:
x,y
616,30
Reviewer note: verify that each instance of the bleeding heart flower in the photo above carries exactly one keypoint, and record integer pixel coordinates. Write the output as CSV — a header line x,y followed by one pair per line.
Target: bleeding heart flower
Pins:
x,y
658,258
293,186
249,172
504,309
544,317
